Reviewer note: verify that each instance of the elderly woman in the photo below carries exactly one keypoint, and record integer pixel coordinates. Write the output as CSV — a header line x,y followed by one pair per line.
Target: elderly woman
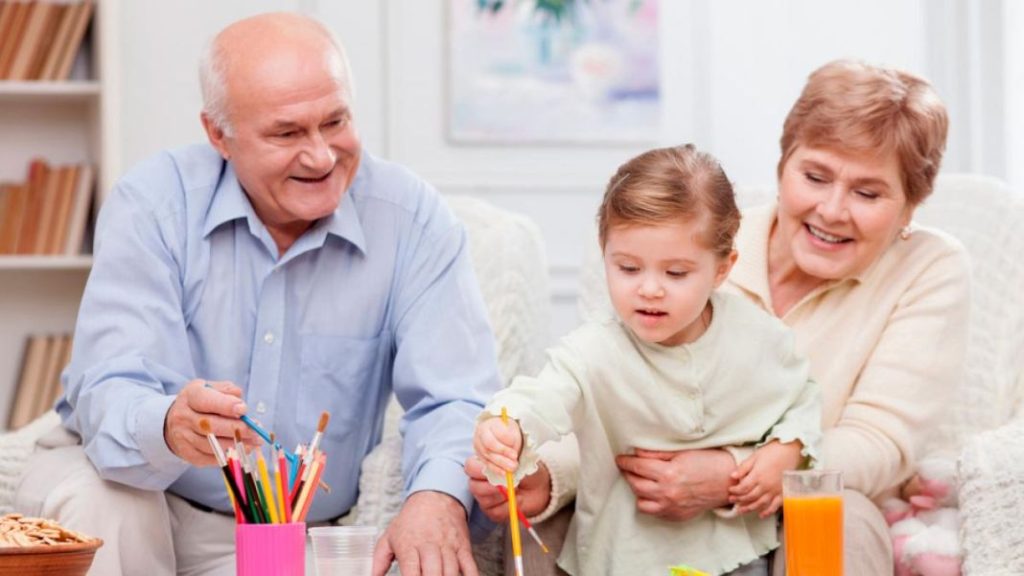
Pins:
x,y
878,305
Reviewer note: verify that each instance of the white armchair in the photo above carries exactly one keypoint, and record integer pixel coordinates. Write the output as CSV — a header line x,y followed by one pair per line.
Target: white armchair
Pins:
x,y
988,217
509,259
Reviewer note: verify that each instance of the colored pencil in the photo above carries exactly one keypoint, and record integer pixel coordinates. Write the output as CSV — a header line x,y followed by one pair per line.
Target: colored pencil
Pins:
x,y
305,494
281,473
310,455
319,465
268,488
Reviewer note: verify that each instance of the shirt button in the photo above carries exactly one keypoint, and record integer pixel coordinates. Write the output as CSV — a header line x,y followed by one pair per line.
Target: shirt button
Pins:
x,y
268,337
261,407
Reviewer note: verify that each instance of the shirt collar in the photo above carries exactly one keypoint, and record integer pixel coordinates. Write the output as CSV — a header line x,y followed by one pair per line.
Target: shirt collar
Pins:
x,y
344,222
231,203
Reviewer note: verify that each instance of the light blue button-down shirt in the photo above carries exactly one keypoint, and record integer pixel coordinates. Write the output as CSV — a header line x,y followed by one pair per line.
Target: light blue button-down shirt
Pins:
x,y
187,283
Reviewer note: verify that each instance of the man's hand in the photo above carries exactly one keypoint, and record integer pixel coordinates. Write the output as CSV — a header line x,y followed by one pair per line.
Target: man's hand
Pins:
x,y
430,537
498,444
759,477
678,485
221,404
533,493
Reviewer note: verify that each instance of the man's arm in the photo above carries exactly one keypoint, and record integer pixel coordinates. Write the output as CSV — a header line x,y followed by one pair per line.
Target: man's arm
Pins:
x,y
445,364
130,348
445,369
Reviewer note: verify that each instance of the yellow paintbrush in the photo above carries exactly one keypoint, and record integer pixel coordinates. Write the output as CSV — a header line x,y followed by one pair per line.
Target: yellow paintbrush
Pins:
x,y
513,512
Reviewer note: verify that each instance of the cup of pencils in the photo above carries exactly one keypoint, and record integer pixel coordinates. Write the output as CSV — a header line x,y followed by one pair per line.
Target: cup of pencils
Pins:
x,y
270,501
270,549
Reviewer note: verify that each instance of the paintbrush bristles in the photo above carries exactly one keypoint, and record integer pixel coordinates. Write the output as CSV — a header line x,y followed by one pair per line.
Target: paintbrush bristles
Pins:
x,y
204,425
238,435
324,418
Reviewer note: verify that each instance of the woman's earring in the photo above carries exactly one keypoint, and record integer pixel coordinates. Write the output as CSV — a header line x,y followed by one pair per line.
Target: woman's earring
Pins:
x,y
905,232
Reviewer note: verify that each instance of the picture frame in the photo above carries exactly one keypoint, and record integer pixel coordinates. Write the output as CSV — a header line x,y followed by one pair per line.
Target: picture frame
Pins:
x,y
544,72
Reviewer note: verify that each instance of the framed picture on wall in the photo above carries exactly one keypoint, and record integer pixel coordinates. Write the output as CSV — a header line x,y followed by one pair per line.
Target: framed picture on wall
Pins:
x,y
579,72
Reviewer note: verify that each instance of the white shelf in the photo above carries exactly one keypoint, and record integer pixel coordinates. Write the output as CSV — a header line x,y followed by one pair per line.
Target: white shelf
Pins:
x,y
82,262
33,91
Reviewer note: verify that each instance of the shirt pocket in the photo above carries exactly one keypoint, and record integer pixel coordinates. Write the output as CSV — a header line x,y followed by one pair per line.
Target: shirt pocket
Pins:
x,y
342,376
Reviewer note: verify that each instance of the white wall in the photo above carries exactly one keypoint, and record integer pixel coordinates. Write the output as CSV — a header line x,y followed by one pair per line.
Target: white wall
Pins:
x,y
730,71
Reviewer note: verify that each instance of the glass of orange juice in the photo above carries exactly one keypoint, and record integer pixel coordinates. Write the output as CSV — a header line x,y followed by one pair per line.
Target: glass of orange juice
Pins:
x,y
812,516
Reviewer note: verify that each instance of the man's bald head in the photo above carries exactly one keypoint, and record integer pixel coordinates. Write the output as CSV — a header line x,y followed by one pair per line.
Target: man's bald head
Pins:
x,y
250,47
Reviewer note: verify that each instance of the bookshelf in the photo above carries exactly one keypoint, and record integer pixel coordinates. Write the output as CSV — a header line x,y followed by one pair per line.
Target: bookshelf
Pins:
x,y
65,122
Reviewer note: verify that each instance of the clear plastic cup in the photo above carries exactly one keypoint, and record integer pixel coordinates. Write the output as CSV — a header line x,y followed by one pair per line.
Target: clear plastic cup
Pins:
x,y
343,550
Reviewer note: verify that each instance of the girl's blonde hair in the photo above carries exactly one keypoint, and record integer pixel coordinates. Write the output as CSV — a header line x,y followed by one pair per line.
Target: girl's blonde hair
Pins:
x,y
669,183
852,106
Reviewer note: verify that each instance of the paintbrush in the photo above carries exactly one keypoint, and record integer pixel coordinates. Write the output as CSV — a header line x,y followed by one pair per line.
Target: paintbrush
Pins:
x,y
265,435
218,453
526,522
513,517
308,457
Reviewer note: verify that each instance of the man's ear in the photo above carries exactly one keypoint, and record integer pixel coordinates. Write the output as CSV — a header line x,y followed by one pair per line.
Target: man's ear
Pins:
x,y
215,134
724,267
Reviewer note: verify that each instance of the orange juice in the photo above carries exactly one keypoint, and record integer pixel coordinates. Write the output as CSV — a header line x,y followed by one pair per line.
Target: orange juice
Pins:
x,y
814,535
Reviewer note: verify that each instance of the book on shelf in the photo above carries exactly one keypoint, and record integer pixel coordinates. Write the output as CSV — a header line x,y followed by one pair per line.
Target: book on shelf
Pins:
x,y
62,216
31,41
83,15
38,173
40,38
50,59
7,10
49,213
15,200
44,359
11,38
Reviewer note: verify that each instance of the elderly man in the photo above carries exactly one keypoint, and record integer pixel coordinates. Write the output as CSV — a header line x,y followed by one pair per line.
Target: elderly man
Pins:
x,y
279,271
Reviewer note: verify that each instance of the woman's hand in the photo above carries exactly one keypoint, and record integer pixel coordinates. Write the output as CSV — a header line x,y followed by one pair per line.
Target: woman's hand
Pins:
x,y
533,493
678,485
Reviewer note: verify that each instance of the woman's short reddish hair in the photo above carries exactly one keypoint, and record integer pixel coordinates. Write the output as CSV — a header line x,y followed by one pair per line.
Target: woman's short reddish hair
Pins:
x,y
850,106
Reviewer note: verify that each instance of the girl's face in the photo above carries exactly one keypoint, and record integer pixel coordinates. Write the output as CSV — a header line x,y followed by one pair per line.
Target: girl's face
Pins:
x,y
660,277
838,212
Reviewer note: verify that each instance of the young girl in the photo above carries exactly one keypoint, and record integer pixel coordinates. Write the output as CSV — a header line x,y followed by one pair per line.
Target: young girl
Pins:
x,y
681,367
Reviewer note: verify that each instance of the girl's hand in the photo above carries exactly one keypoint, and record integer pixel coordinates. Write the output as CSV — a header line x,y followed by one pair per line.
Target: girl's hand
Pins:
x,y
759,486
533,493
498,444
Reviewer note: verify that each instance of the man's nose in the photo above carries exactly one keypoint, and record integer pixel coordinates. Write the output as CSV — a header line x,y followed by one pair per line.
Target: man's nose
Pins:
x,y
318,154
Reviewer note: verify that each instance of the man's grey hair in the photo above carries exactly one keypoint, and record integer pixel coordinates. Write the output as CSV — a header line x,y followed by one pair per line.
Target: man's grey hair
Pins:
x,y
213,65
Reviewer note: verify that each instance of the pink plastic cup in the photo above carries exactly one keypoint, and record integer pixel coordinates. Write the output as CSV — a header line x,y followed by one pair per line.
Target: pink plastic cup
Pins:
x,y
270,549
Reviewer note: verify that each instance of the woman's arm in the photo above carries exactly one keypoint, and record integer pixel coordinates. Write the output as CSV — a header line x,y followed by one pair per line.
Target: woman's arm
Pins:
x,y
679,485
906,383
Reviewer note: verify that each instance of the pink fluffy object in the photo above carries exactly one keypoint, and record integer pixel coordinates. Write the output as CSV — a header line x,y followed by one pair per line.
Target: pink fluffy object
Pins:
x,y
924,527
